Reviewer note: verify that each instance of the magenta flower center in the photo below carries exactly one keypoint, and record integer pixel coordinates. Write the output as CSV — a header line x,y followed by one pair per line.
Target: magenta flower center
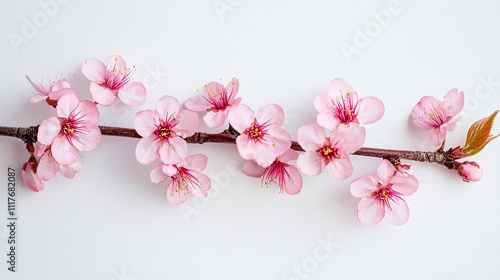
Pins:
x,y
218,98
165,130
346,107
435,115
72,127
256,131
184,182
115,78
384,195
328,152
277,174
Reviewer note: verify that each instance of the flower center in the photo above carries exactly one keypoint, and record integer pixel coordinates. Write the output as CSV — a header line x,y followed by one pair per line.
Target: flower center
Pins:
x,y
116,78
256,131
277,174
68,128
184,182
328,152
346,107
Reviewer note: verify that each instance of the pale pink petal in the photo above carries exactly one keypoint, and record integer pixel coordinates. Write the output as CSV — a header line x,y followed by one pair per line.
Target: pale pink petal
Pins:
x,y
399,213
405,185
204,184
453,102
38,88
40,148
294,185
323,103
328,120
157,175
232,89
173,151
450,125
349,137
245,146
147,149
116,61
47,167
311,137
310,163
370,212
385,172
87,111
271,114
102,95
144,122
215,119
197,104
241,117
421,110
62,151
364,186
94,70
37,98
89,139
48,130
252,169
166,106
66,105
177,197
196,162
265,154
279,140
371,109
339,87
132,94
189,123
340,168
288,156
70,170
61,84
30,178
56,95
213,91
436,137
169,169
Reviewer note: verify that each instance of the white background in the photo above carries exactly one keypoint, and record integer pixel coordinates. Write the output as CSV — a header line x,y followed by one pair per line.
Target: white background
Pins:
x,y
111,222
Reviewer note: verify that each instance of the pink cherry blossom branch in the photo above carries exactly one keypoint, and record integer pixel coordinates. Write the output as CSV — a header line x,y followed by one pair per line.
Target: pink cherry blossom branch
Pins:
x,y
29,136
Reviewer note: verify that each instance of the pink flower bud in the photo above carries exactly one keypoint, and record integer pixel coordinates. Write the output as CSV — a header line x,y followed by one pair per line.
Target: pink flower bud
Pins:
x,y
470,171
29,175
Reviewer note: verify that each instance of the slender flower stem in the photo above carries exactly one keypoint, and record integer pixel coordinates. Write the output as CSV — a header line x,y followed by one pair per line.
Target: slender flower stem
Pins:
x,y
29,136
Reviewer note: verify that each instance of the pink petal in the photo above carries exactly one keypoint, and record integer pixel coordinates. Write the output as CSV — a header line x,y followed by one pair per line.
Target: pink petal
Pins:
x,y
61,84
241,117
176,197
232,88
271,114
295,184
87,111
215,119
157,175
311,137
30,178
101,94
37,98
245,146
288,156
370,212
62,151
371,109
341,168
197,104
38,88
66,105
196,162
189,123
94,70
47,167
116,61
350,138
337,88
89,139
56,95
364,186
69,171
273,145
252,169
399,213
454,102
405,185
420,111
322,102
385,172
328,120
48,130
450,125
436,137
133,94
147,149
174,151
310,163
166,106
204,184
169,169
144,122
40,148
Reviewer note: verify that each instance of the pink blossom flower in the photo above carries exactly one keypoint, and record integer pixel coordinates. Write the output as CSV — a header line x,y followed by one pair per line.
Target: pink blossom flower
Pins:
x,y
162,131
286,176
74,129
216,100
112,80
470,171
439,117
29,175
185,178
381,195
48,166
262,139
330,153
341,105
51,94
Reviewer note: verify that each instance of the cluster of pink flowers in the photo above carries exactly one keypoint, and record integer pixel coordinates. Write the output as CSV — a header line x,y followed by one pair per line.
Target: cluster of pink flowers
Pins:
x,y
262,142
